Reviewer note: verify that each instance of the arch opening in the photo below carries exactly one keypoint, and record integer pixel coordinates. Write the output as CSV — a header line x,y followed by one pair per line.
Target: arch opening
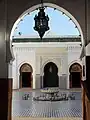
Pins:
x,y
75,75
49,5
52,6
50,67
50,78
26,77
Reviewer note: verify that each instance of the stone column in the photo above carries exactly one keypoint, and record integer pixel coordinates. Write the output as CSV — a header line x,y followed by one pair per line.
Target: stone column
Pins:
x,y
5,84
86,85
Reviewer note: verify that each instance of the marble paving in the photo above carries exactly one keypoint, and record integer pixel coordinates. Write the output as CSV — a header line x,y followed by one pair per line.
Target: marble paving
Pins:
x,y
30,110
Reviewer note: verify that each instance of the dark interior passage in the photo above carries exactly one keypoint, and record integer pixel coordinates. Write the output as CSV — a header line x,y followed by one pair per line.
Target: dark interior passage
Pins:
x,y
50,75
75,79
26,79
75,75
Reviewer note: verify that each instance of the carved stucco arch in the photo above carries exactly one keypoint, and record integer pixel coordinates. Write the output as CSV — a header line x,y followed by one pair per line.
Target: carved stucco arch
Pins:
x,y
19,66
53,61
49,5
75,61
19,70
33,73
24,66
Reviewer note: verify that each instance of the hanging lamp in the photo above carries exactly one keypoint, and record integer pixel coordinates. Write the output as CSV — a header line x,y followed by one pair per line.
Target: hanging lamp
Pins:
x,y
41,21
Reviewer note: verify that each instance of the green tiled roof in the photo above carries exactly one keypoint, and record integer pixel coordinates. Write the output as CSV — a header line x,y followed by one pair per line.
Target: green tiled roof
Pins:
x,y
59,39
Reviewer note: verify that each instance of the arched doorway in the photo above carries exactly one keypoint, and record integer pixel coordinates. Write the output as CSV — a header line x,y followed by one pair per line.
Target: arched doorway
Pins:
x,y
50,78
20,12
26,75
75,75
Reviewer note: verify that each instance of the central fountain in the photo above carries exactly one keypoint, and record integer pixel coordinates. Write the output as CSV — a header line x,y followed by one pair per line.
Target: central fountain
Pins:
x,y
52,94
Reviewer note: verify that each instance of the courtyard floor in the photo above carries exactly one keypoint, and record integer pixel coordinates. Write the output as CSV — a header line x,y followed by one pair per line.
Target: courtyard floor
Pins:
x,y
45,110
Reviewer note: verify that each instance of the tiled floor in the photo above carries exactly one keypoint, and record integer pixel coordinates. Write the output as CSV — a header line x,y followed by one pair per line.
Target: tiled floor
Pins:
x,y
30,110
30,118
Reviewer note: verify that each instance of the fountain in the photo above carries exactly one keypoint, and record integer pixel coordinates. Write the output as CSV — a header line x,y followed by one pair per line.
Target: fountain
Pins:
x,y
51,94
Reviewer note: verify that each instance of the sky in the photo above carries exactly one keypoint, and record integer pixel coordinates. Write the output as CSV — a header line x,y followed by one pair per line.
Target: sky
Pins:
x,y
59,24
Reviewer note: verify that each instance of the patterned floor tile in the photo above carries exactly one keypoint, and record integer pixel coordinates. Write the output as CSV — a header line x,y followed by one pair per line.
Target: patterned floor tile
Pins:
x,y
45,109
30,118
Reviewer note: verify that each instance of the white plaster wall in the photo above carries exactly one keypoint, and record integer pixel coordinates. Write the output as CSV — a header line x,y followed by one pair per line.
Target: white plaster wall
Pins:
x,y
74,52
39,54
14,72
51,53
37,63
23,55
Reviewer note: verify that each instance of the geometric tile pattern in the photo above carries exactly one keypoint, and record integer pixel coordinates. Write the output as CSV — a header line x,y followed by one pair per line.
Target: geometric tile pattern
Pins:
x,y
46,109
34,118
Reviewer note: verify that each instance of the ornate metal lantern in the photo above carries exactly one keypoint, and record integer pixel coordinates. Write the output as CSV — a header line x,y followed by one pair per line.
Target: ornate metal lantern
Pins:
x,y
41,22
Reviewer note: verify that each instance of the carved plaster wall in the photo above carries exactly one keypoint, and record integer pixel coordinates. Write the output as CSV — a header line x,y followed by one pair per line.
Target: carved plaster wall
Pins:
x,y
38,57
